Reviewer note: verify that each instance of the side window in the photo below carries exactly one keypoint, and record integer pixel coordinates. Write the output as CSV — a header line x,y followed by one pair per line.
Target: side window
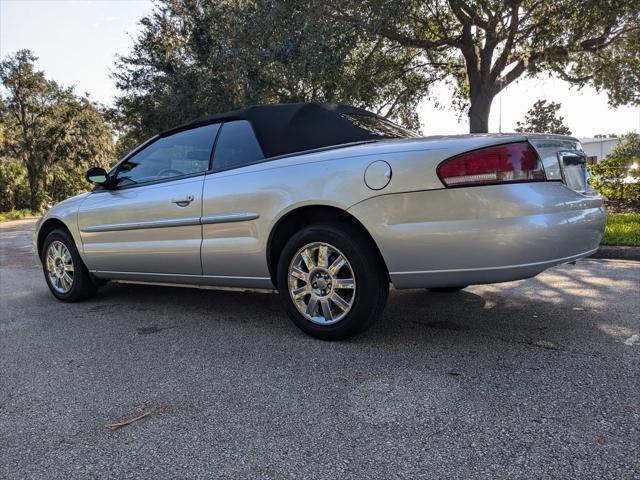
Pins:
x,y
182,153
237,145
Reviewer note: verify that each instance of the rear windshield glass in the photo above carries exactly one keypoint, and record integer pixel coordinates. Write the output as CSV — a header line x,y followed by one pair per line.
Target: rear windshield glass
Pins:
x,y
378,126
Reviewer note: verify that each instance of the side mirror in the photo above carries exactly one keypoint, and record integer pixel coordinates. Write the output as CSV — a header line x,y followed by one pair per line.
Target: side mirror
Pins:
x,y
97,176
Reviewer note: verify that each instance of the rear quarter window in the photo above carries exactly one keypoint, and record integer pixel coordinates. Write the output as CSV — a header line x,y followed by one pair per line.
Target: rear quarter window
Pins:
x,y
237,145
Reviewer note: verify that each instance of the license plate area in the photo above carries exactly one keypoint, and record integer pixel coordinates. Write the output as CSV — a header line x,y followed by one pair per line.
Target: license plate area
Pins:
x,y
573,165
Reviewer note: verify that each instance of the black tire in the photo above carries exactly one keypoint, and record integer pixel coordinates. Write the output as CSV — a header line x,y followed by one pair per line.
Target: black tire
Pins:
x,y
372,284
82,286
447,289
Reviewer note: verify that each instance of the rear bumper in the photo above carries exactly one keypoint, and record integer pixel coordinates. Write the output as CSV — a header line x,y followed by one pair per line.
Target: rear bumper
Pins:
x,y
483,275
478,235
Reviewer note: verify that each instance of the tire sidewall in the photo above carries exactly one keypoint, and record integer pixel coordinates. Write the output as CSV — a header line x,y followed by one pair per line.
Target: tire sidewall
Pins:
x,y
367,273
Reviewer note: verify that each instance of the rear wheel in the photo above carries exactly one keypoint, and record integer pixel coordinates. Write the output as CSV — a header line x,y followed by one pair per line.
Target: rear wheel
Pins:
x,y
332,281
447,289
67,276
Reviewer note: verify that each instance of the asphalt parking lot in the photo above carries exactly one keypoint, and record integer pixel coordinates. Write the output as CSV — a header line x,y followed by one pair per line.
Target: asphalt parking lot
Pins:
x,y
530,379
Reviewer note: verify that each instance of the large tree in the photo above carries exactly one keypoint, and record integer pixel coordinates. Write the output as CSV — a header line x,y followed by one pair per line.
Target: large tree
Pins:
x,y
195,56
485,45
45,125
543,118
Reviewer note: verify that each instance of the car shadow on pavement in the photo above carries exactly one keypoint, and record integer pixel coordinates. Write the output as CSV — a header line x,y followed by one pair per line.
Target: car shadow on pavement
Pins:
x,y
538,313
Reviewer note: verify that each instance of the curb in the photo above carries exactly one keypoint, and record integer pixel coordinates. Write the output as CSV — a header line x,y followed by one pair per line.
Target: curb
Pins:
x,y
618,253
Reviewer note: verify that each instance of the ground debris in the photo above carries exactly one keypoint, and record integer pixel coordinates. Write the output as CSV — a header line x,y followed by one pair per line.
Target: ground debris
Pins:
x,y
151,329
546,344
124,423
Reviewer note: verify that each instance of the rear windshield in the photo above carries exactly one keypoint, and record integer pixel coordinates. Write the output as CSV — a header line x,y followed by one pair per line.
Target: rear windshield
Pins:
x,y
378,126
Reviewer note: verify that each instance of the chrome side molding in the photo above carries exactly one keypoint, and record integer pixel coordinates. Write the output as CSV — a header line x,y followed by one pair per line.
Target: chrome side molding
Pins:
x,y
116,227
229,217
174,222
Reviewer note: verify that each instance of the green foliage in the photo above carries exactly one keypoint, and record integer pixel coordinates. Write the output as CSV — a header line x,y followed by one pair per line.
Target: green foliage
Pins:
x,y
64,181
194,57
49,131
16,215
628,146
14,188
622,229
618,176
543,118
484,46
615,70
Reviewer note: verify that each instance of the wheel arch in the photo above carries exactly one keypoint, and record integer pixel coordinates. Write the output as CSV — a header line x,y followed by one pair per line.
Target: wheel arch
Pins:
x,y
46,228
307,215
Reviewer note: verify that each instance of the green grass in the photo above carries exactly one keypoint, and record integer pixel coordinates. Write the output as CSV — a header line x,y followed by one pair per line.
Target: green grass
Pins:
x,y
16,215
622,229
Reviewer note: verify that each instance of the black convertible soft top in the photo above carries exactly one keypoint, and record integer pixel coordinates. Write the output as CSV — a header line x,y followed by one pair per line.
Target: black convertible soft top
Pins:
x,y
287,128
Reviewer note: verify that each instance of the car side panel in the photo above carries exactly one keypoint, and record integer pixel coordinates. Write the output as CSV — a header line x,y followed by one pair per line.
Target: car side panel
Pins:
x,y
142,230
240,208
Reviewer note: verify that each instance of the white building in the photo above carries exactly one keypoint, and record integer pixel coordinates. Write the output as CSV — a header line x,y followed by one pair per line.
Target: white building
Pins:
x,y
598,148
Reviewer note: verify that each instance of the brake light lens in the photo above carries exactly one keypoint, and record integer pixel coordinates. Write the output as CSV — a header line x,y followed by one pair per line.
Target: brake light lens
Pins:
x,y
513,162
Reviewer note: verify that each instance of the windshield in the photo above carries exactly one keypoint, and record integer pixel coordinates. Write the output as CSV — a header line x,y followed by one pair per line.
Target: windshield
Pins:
x,y
379,126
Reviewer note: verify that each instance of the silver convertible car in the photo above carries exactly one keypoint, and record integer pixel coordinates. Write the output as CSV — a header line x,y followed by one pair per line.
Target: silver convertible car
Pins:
x,y
328,204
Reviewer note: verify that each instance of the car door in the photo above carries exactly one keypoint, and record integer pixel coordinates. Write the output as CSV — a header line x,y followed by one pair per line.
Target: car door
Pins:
x,y
150,222
232,253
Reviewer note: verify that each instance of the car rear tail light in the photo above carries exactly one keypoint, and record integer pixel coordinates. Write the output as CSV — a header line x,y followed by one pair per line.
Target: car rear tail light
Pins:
x,y
513,162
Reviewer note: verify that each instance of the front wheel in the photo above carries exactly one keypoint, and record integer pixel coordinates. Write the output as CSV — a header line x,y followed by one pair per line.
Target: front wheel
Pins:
x,y
332,281
66,275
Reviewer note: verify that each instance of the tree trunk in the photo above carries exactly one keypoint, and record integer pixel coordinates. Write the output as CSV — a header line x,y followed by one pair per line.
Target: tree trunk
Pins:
x,y
479,113
34,191
33,199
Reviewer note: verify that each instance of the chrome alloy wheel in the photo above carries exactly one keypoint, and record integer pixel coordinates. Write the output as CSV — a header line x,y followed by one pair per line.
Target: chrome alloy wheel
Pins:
x,y
60,267
321,283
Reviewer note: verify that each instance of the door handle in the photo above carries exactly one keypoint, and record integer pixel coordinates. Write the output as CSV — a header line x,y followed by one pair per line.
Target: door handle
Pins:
x,y
183,202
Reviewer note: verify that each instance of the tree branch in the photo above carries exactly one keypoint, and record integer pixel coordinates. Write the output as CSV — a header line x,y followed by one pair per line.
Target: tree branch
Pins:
x,y
512,75
416,42
501,62
571,79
